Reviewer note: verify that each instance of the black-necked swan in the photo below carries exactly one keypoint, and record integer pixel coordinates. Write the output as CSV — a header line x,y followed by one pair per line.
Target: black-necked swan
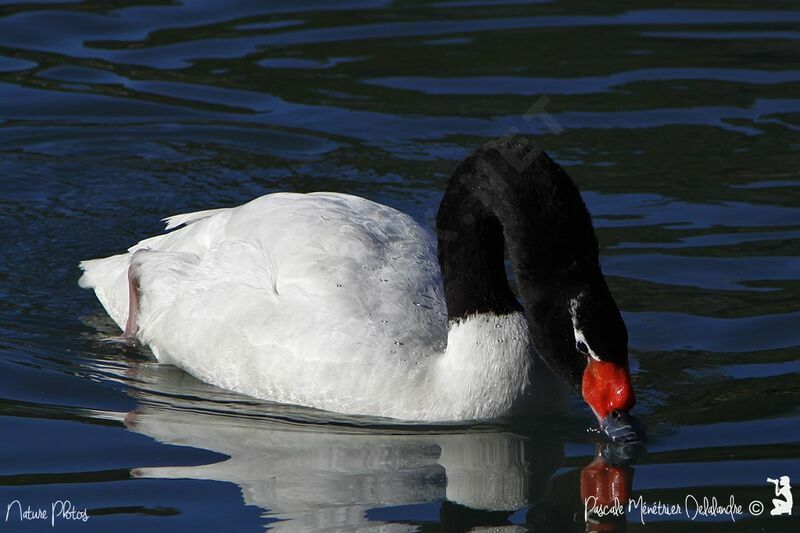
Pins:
x,y
339,303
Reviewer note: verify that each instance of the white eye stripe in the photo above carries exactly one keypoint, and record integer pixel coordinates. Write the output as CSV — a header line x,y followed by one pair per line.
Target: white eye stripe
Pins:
x,y
579,337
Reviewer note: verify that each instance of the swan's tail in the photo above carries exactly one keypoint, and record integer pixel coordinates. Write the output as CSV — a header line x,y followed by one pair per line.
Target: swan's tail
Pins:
x,y
109,279
171,254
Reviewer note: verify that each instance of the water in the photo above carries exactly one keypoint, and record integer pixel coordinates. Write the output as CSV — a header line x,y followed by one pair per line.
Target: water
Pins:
x,y
680,124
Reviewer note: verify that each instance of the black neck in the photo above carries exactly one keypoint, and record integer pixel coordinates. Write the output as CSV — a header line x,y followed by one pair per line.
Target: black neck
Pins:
x,y
514,199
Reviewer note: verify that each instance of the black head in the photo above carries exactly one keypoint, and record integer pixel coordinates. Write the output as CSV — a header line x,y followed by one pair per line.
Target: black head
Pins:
x,y
578,320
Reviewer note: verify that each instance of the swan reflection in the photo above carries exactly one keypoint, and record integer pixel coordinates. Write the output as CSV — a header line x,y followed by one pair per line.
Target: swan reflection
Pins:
x,y
314,476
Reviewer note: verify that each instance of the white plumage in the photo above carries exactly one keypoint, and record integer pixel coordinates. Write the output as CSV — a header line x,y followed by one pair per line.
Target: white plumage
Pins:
x,y
325,300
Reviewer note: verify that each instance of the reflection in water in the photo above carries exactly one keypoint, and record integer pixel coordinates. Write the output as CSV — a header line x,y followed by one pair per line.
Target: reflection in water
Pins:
x,y
322,476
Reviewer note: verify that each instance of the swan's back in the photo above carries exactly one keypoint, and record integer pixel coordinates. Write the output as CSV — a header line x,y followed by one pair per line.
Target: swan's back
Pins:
x,y
291,297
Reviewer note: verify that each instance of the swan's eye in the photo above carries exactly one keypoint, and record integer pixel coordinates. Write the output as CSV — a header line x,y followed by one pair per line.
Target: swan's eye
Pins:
x,y
581,347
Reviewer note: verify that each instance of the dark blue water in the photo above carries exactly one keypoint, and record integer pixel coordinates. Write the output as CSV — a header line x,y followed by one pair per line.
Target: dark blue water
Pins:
x,y
679,121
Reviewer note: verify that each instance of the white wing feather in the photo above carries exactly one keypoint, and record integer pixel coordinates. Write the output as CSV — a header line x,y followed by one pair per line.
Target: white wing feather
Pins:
x,y
176,221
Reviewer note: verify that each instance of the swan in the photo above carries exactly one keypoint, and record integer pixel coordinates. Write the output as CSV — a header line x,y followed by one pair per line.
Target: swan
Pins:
x,y
339,303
